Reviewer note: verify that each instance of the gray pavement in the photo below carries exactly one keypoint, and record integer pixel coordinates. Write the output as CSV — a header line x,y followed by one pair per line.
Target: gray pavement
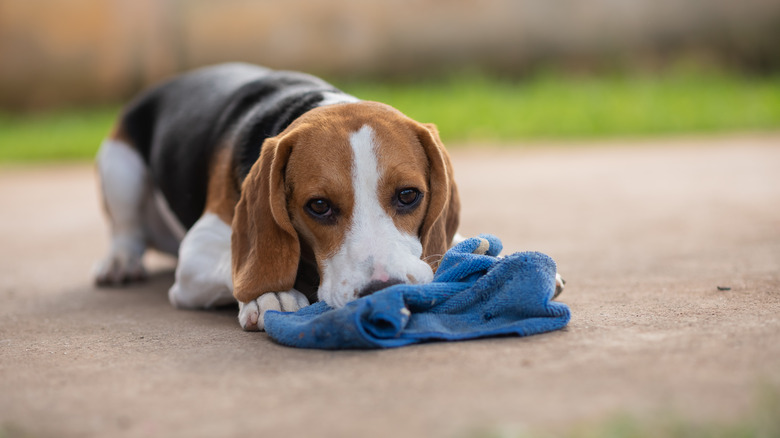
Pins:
x,y
643,231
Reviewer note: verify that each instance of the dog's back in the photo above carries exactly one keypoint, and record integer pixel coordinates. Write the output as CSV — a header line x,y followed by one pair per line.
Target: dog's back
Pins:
x,y
177,126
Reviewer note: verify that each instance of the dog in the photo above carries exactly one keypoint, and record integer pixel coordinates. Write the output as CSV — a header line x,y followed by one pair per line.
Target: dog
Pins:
x,y
273,189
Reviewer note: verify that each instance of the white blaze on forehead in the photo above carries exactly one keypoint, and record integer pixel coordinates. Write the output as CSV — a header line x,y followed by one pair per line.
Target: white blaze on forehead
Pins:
x,y
374,249
371,226
365,179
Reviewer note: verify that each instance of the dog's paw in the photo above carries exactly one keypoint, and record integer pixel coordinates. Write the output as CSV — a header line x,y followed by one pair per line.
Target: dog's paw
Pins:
x,y
250,315
559,285
119,267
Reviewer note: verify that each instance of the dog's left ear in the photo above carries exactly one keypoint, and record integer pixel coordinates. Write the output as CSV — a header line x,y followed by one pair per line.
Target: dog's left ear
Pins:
x,y
443,215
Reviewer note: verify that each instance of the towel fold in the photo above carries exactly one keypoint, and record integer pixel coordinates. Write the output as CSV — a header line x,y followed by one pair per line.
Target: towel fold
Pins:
x,y
474,294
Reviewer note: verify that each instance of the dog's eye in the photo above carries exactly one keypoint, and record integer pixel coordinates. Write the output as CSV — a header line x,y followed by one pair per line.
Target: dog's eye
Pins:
x,y
407,199
320,209
408,196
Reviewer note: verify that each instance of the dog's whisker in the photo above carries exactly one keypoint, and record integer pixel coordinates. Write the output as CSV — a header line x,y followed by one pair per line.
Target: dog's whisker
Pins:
x,y
440,256
434,260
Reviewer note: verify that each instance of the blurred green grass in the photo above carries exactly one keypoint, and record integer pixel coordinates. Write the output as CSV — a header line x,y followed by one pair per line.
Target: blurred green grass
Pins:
x,y
72,134
474,107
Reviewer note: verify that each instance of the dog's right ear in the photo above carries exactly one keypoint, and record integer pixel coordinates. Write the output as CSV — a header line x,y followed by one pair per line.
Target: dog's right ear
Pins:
x,y
265,250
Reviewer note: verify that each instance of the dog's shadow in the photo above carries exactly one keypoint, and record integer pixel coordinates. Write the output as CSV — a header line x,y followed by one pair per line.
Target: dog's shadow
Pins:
x,y
152,290
143,299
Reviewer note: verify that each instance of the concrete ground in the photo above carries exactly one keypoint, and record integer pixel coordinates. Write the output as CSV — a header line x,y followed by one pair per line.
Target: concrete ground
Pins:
x,y
643,231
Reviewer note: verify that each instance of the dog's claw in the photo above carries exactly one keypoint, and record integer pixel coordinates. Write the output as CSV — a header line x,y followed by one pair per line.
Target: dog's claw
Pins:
x,y
559,285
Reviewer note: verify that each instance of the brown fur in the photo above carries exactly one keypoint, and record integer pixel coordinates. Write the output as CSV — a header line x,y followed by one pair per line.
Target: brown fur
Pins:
x,y
221,195
443,217
403,164
264,245
317,172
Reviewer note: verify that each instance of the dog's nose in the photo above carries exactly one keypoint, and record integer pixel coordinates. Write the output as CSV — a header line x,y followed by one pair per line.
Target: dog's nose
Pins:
x,y
377,285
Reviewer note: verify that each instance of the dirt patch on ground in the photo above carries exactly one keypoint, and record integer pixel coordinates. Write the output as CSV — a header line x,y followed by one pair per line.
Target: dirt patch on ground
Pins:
x,y
644,233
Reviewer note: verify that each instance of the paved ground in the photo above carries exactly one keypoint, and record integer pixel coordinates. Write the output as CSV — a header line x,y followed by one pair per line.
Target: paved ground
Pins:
x,y
644,232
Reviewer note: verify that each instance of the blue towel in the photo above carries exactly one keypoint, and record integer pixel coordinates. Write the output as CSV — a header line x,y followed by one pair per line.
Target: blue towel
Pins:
x,y
474,294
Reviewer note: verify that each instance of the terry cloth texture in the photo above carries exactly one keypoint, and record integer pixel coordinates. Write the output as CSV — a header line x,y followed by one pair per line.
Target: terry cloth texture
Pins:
x,y
474,294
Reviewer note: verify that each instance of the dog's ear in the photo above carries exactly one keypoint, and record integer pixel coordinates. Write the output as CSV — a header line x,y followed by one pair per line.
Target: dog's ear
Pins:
x,y
264,245
443,215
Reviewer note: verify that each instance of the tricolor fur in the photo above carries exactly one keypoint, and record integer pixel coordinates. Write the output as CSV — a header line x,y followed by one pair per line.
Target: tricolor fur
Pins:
x,y
274,189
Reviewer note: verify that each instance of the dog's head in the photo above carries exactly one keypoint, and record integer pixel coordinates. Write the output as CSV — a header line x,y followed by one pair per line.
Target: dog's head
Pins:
x,y
367,189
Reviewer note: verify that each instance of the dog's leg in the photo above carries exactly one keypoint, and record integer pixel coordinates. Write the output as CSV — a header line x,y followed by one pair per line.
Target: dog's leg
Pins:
x,y
124,183
163,231
250,315
203,275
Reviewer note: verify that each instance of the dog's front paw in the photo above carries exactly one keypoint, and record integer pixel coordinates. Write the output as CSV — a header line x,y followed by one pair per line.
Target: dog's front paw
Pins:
x,y
250,315
122,265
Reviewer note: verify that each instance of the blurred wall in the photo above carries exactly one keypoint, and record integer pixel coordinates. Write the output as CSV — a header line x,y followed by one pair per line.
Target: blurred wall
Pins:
x,y
56,52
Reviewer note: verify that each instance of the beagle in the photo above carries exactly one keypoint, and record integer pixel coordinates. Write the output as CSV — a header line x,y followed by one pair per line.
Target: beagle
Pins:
x,y
274,189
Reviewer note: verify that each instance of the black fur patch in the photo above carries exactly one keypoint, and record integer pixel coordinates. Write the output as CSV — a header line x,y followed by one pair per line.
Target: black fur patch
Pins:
x,y
269,124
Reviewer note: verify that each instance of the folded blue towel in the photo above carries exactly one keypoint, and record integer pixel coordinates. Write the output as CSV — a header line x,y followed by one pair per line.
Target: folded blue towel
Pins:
x,y
474,294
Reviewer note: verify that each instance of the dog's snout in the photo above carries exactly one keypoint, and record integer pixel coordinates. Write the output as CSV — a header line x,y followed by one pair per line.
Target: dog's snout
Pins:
x,y
377,285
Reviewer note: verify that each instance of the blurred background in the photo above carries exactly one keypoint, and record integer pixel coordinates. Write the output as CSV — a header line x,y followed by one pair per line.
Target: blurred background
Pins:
x,y
546,68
